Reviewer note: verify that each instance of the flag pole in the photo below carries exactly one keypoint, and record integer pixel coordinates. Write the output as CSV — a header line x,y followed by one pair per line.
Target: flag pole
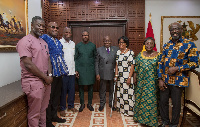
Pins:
x,y
150,17
147,28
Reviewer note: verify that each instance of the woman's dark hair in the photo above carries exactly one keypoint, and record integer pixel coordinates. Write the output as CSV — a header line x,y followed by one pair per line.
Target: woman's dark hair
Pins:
x,y
125,39
149,38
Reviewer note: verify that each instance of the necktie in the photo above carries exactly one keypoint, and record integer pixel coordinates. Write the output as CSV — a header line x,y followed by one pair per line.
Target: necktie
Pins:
x,y
108,50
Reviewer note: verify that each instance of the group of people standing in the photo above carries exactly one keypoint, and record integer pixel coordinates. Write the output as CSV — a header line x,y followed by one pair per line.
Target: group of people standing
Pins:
x,y
144,83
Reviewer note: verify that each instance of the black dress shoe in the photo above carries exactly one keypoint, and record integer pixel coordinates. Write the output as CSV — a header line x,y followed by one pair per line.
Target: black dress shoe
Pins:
x,y
90,107
82,107
101,108
59,120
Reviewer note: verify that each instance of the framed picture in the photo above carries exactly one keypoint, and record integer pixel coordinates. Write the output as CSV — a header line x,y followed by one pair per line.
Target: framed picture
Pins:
x,y
13,23
190,24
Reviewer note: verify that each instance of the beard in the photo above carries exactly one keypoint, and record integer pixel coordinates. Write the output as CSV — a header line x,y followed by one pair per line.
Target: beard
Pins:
x,y
37,32
85,39
175,37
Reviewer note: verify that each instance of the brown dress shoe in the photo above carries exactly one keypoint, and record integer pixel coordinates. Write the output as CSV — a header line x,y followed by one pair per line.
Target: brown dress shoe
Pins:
x,y
62,113
72,109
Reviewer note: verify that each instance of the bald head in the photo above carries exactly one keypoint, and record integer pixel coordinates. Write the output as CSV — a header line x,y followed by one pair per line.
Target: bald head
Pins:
x,y
175,31
175,23
67,33
107,41
66,28
52,24
53,29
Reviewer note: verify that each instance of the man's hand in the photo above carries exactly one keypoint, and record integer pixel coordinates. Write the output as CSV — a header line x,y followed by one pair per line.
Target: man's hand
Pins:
x,y
162,85
172,70
77,74
98,77
48,80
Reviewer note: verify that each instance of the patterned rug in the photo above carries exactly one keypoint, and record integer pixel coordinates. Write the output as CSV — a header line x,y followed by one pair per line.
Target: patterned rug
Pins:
x,y
98,119
101,119
70,117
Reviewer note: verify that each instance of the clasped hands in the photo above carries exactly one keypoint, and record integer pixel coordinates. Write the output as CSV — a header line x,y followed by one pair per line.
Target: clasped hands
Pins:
x,y
171,71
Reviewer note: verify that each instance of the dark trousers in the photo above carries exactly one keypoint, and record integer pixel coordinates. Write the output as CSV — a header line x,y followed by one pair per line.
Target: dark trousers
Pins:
x,y
81,93
68,87
176,93
102,91
51,111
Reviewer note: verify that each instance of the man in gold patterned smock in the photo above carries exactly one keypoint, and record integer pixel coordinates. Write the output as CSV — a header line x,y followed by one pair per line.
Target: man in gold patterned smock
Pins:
x,y
179,56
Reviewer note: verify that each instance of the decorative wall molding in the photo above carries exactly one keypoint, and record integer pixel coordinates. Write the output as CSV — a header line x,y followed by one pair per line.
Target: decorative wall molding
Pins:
x,y
64,11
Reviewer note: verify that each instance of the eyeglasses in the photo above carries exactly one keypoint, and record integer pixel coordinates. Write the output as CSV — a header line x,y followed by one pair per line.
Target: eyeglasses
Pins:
x,y
85,35
54,27
122,43
176,29
107,41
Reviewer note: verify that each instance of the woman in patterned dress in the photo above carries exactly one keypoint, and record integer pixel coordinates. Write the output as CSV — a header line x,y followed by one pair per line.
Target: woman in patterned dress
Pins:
x,y
123,74
146,88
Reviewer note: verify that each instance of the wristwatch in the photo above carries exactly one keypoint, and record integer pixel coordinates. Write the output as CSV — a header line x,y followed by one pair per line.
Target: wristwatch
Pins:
x,y
50,74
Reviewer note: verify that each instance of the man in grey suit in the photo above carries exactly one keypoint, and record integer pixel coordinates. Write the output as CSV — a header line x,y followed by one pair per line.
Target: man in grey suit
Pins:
x,y
104,66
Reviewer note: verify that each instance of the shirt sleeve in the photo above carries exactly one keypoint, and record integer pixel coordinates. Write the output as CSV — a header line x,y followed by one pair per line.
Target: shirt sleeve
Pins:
x,y
97,60
117,56
132,58
193,59
161,63
76,57
95,52
24,48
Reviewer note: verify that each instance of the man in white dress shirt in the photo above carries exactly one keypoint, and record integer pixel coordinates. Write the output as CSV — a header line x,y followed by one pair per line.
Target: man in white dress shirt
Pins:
x,y
69,80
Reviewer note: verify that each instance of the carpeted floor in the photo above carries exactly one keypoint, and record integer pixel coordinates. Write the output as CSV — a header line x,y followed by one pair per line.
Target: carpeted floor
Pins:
x,y
104,118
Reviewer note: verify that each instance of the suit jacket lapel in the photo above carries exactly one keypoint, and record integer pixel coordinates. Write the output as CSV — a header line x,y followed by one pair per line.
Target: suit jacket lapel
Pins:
x,y
111,51
104,50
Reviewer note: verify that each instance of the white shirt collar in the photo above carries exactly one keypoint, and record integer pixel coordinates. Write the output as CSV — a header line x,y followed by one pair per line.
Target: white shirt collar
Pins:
x,y
64,41
108,48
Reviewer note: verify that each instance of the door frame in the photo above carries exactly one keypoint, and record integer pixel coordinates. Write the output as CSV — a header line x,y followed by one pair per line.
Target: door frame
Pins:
x,y
99,23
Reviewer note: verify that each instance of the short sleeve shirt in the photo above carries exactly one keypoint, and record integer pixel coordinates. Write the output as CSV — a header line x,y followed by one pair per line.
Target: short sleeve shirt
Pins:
x,y
37,49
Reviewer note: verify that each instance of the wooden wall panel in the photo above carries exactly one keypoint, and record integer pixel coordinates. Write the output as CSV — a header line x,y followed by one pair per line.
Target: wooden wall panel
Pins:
x,y
62,11
96,34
